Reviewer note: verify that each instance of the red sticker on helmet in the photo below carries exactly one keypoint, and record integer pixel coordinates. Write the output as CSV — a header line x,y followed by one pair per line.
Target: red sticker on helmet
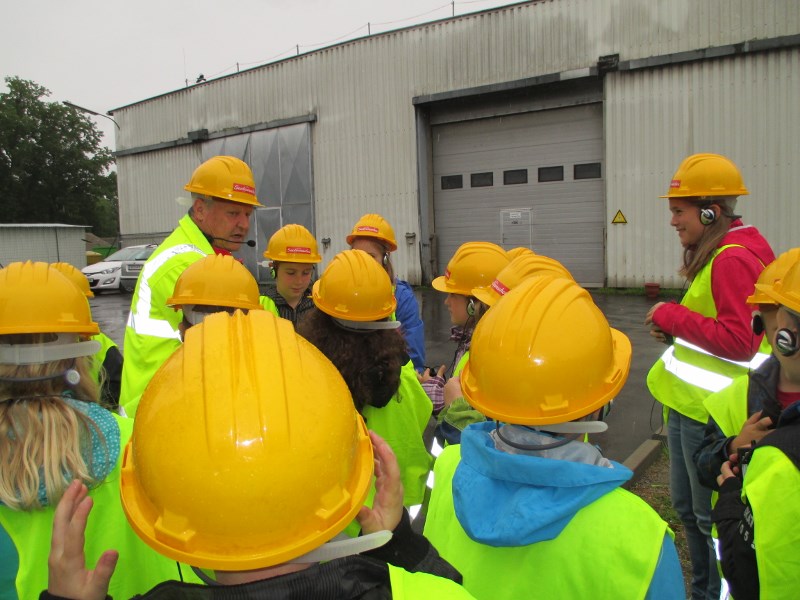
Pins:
x,y
675,183
297,250
246,189
369,228
498,287
446,274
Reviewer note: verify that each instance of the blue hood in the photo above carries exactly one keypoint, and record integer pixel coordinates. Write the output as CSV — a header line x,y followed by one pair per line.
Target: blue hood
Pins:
x,y
504,499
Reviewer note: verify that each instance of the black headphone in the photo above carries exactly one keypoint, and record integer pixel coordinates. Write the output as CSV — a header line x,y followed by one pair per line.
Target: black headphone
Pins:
x,y
708,216
757,323
786,342
471,307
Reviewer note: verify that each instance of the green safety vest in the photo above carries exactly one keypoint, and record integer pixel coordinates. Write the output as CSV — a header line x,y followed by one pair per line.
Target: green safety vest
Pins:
x,y
610,548
686,374
151,334
461,362
415,586
139,567
772,487
100,357
728,408
269,305
401,423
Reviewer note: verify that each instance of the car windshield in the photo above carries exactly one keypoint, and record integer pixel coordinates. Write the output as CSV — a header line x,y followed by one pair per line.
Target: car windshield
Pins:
x,y
132,253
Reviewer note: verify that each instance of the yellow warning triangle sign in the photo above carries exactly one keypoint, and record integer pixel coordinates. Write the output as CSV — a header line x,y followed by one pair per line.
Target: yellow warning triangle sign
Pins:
x,y
619,218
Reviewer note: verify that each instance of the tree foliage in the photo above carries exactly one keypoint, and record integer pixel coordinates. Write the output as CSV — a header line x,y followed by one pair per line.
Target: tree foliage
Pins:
x,y
52,166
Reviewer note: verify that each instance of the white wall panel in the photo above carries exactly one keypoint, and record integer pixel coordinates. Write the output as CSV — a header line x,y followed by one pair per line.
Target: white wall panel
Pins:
x,y
745,108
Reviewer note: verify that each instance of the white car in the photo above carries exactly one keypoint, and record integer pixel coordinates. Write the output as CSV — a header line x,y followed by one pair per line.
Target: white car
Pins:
x,y
107,275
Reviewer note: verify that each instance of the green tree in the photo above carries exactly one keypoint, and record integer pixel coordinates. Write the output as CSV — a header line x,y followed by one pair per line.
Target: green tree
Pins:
x,y
52,166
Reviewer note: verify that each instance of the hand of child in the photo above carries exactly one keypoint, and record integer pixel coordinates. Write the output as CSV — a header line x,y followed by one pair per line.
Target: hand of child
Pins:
x,y
68,576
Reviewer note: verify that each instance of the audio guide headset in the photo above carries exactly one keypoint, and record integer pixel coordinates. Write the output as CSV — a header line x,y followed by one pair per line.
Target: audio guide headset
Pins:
x,y
708,216
757,323
786,342
471,307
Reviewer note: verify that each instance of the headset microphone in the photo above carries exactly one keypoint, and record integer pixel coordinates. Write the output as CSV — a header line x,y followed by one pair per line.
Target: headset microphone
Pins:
x,y
250,243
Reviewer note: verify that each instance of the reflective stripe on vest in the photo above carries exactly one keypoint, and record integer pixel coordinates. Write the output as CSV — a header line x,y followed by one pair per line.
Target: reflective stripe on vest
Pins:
x,y
140,319
619,527
772,487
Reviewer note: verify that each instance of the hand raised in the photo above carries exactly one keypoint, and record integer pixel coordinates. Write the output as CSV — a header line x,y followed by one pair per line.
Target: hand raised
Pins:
x,y
67,573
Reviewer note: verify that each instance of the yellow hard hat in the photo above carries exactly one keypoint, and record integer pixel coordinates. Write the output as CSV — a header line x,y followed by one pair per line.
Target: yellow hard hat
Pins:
x,y
702,175
224,177
516,272
75,276
519,251
544,354
233,466
374,226
784,291
474,265
36,298
293,243
773,272
354,287
216,280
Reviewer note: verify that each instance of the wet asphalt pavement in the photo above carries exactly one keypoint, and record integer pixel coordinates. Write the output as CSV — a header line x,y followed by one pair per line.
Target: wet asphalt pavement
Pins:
x,y
635,416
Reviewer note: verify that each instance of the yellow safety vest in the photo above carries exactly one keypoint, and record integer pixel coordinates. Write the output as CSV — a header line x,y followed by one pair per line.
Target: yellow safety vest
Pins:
x,y
151,334
100,356
139,567
461,362
772,487
610,548
686,374
401,423
269,304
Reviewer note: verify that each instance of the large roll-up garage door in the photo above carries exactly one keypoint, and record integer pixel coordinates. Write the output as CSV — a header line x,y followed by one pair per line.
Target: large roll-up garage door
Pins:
x,y
532,179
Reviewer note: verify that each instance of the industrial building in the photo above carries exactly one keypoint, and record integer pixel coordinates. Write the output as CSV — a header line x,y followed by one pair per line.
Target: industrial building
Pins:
x,y
553,124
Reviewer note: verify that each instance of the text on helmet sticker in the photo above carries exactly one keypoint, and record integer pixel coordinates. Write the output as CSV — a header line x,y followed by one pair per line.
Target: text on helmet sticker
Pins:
x,y
498,287
369,228
297,250
675,183
246,189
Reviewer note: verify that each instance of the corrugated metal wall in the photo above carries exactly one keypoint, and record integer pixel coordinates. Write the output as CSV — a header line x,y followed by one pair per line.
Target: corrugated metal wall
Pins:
x,y
364,139
745,108
149,185
45,243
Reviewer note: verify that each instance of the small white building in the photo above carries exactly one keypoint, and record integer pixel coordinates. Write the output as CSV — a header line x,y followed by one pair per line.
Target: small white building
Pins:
x,y
44,242
553,124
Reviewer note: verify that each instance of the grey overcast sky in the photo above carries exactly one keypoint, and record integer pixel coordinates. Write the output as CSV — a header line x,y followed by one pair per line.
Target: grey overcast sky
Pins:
x,y
102,54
